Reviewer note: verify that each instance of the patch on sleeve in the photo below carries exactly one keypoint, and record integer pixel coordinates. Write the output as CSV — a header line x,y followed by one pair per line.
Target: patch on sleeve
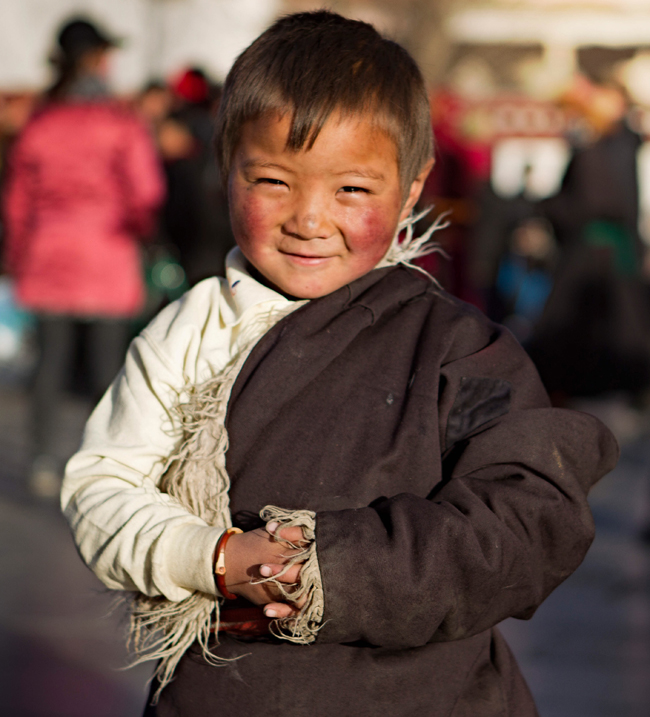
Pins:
x,y
478,401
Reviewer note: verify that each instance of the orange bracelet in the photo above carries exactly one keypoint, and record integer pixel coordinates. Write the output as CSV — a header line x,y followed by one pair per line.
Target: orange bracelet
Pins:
x,y
220,563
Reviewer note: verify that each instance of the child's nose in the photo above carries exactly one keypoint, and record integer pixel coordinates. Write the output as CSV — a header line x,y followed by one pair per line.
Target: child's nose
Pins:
x,y
308,221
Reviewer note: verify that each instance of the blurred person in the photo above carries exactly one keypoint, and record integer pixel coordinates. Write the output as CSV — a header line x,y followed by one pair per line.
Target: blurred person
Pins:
x,y
165,277
498,218
82,187
525,276
15,111
593,336
194,90
195,216
455,184
154,103
600,183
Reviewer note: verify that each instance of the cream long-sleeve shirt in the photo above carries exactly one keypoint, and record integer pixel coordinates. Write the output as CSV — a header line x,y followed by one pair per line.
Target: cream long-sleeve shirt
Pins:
x,y
130,534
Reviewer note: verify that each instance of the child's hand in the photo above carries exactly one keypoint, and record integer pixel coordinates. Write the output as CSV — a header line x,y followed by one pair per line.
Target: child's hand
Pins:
x,y
256,554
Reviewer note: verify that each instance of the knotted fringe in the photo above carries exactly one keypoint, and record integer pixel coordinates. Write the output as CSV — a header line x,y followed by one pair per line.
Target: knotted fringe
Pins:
x,y
195,477
302,628
407,250
163,630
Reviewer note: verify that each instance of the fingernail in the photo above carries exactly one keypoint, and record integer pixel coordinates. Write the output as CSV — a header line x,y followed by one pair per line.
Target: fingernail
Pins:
x,y
272,527
265,571
270,613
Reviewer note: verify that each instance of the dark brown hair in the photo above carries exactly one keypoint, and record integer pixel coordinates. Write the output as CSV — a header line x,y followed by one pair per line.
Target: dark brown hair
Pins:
x,y
314,63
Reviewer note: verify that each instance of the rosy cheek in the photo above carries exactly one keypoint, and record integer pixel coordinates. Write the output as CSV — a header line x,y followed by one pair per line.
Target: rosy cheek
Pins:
x,y
249,218
372,233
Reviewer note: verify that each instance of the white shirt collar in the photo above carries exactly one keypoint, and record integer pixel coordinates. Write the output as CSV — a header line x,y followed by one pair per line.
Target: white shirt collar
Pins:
x,y
244,292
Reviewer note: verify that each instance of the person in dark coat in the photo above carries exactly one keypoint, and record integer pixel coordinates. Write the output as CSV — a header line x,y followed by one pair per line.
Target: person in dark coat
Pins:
x,y
592,336
194,219
324,479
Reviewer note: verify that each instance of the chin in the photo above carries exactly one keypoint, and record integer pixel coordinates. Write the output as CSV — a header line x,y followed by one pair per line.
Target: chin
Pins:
x,y
303,287
307,293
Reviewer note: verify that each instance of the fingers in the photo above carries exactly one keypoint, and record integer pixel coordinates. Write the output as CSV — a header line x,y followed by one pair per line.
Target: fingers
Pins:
x,y
259,553
287,607
292,535
291,576
279,609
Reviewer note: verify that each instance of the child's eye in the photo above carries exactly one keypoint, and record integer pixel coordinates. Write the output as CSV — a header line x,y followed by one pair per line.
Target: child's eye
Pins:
x,y
354,190
269,180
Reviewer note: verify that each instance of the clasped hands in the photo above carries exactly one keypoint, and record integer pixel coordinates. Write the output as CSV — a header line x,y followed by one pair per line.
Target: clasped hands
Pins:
x,y
256,555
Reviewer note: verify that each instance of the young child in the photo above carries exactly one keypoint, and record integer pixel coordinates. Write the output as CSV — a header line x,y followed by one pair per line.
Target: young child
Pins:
x,y
414,485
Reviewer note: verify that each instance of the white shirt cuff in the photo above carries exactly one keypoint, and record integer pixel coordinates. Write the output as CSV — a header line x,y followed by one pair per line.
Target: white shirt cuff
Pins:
x,y
189,556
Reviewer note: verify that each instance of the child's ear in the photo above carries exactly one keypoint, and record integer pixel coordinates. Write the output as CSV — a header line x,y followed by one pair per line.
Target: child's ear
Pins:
x,y
415,190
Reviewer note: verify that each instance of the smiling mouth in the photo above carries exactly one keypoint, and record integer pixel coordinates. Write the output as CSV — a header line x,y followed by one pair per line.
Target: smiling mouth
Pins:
x,y
307,259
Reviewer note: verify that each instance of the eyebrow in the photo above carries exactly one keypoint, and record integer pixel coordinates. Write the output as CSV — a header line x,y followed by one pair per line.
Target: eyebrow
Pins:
x,y
363,173
253,163
353,172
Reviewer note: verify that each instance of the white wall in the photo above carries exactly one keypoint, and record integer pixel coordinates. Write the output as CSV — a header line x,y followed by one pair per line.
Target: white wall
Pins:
x,y
210,32
161,35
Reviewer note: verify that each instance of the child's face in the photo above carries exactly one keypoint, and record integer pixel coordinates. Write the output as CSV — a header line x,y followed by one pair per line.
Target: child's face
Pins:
x,y
314,220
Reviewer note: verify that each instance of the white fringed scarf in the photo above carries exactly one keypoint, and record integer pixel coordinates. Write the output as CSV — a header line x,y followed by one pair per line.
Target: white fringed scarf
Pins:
x,y
195,477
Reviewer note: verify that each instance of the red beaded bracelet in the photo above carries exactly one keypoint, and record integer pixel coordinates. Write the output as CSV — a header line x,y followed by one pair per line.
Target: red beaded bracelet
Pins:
x,y
220,563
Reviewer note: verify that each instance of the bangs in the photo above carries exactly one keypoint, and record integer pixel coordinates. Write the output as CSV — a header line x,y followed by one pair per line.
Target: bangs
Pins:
x,y
313,65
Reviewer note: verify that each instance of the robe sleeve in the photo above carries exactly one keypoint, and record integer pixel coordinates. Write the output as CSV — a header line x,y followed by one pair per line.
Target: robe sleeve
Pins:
x,y
508,522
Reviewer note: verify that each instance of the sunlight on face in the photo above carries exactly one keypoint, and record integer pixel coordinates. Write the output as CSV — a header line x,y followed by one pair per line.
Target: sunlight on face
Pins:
x,y
314,220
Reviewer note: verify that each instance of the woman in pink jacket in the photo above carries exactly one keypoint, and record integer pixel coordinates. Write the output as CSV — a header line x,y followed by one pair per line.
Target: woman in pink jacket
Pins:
x,y
83,186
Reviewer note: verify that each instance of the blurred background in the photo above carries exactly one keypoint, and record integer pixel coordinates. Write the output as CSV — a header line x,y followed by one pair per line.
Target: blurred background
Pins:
x,y
541,111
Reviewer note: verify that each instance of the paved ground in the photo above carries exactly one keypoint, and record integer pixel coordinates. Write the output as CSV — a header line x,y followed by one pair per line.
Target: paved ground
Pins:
x,y
61,640
586,653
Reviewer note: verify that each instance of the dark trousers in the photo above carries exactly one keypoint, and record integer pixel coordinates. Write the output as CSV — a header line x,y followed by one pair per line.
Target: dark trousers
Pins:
x,y
105,346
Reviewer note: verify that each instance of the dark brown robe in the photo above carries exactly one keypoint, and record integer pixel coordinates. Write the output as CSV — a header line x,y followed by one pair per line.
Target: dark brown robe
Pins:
x,y
449,496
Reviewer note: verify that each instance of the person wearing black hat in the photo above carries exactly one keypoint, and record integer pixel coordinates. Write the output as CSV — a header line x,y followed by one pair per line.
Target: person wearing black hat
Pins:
x,y
83,187
81,57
